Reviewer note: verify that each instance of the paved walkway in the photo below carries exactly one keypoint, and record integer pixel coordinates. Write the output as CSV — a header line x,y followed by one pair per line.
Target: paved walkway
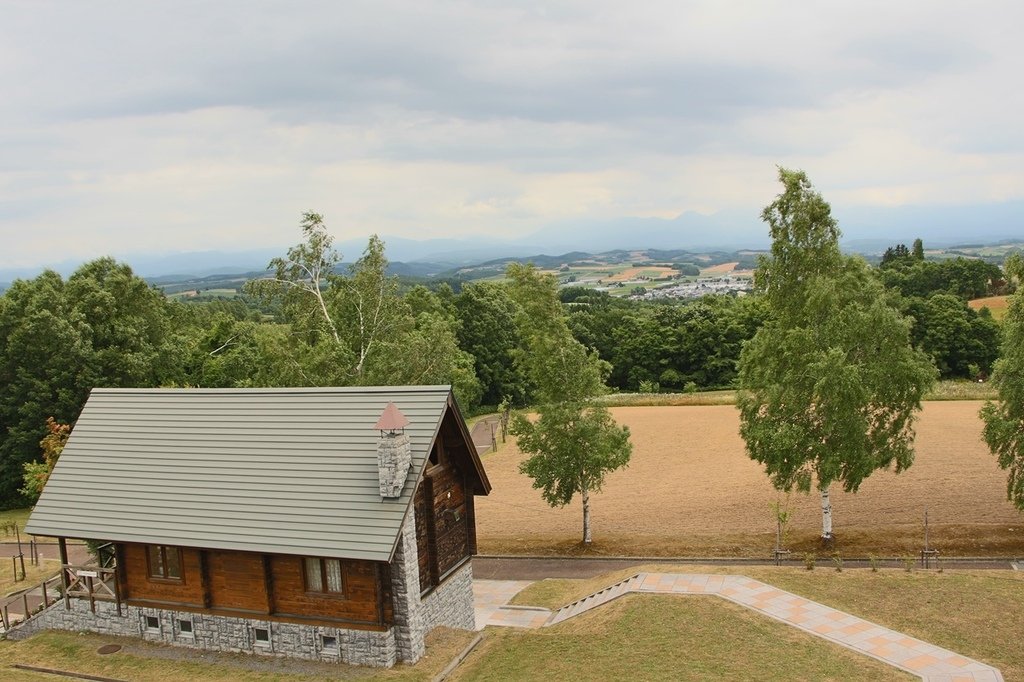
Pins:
x,y
484,434
929,662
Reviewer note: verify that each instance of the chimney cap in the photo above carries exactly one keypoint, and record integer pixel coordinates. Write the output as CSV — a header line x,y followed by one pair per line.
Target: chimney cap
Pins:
x,y
391,419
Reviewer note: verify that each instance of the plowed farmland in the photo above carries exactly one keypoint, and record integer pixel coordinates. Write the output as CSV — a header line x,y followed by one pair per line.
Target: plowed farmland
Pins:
x,y
690,489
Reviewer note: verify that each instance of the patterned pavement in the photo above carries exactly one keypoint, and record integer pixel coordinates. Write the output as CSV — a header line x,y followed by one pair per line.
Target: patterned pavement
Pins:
x,y
915,656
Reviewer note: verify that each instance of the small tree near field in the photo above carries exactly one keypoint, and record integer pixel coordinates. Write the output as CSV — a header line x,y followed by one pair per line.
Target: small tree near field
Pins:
x,y
572,449
573,444
1004,419
831,384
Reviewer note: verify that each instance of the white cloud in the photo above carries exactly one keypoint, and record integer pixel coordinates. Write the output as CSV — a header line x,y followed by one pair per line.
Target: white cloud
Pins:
x,y
186,125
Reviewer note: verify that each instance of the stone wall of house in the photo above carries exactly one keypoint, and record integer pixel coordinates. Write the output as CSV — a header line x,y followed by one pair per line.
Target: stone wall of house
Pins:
x,y
218,633
451,602
410,629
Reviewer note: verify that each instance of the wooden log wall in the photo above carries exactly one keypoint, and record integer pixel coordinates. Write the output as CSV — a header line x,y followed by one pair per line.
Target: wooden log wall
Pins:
x,y
267,586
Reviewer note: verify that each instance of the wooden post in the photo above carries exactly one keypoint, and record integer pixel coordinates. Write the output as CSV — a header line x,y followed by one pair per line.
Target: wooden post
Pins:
x,y
432,564
62,546
470,515
268,583
120,575
379,586
92,593
204,577
46,601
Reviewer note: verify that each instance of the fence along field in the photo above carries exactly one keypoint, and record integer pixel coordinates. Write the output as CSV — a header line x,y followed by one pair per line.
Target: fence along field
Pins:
x,y
690,490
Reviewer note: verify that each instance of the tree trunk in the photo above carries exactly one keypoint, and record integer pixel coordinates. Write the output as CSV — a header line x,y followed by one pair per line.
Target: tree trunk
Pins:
x,y
826,515
586,517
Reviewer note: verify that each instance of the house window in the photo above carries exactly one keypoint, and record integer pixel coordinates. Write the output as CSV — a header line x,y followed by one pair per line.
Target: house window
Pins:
x,y
329,644
323,575
164,562
152,623
185,626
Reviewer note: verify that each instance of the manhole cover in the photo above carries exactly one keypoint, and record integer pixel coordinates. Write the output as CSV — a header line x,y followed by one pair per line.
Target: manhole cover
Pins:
x,y
109,649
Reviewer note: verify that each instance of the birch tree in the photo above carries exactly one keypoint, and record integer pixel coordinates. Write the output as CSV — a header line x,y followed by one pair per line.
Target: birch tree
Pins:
x,y
301,279
831,385
1004,419
356,326
573,444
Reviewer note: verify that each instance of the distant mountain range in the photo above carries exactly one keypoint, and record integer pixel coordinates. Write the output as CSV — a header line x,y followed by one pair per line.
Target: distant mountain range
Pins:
x,y
869,231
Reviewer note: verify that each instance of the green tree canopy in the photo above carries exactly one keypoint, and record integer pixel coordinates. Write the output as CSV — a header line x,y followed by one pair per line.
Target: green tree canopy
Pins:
x,y
831,382
102,327
356,327
1004,419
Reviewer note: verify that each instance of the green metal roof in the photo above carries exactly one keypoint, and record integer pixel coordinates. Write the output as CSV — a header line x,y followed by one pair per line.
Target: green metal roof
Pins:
x,y
284,471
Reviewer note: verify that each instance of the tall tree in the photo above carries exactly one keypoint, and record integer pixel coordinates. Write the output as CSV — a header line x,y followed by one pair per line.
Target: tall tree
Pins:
x,y
1004,419
300,278
102,327
488,331
831,382
357,327
917,251
573,444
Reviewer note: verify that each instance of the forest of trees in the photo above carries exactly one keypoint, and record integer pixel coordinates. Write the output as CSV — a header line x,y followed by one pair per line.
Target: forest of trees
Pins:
x,y
315,324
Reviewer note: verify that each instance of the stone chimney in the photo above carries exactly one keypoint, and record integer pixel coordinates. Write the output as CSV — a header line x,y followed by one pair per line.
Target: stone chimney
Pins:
x,y
393,453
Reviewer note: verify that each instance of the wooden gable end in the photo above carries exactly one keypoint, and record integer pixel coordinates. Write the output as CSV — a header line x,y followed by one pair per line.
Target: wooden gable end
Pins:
x,y
443,503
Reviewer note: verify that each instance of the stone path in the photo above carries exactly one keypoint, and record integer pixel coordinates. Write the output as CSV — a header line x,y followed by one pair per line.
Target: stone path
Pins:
x,y
915,656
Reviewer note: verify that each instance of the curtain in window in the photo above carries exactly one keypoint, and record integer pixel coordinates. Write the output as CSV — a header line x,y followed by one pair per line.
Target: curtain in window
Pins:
x,y
313,579
333,567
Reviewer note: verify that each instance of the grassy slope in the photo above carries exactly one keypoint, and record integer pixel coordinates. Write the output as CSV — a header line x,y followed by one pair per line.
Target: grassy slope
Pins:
x,y
668,638
976,613
33,574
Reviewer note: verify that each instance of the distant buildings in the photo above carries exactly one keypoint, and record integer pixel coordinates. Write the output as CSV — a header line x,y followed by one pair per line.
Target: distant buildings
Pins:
x,y
703,286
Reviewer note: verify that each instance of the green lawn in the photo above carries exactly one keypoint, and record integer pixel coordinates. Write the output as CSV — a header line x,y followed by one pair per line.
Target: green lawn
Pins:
x,y
976,613
33,574
8,519
144,662
645,637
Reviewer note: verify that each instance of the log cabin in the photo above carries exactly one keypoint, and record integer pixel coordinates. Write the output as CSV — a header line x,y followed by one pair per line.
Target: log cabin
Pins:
x,y
321,523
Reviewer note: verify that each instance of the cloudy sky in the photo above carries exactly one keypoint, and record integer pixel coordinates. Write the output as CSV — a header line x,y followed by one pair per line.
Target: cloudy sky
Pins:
x,y
141,126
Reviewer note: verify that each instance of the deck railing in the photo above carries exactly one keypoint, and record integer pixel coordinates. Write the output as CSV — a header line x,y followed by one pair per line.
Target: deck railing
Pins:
x,y
48,592
92,583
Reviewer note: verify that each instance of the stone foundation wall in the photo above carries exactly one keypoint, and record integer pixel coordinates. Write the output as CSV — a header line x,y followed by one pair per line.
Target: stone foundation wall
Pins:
x,y
451,603
219,633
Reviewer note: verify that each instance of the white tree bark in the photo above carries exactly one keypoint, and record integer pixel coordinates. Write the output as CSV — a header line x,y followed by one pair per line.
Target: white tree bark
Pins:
x,y
826,515
586,516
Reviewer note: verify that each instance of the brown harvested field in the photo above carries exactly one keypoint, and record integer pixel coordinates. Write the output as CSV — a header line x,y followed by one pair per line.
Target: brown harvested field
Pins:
x,y
720,269
690,490
632,273
997,305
